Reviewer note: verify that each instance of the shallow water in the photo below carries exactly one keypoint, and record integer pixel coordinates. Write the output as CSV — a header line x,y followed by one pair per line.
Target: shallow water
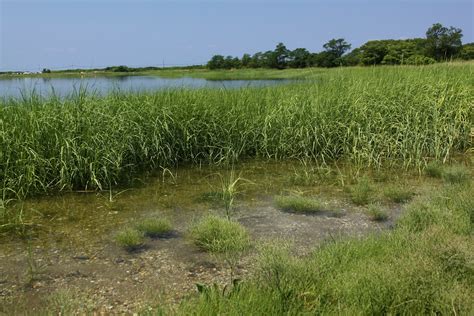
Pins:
x,y
72,242
16,87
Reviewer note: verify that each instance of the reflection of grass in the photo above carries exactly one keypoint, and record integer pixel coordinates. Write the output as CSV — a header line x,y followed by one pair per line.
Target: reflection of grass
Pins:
x,y
308,175
219,235
298,204
212,197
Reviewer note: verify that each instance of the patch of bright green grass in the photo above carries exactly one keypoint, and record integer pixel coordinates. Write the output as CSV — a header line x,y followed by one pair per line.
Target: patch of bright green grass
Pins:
x,y
298,204
219,235
130,239
155,227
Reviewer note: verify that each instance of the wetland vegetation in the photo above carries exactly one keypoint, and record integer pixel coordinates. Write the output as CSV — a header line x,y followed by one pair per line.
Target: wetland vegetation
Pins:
x,y
386,149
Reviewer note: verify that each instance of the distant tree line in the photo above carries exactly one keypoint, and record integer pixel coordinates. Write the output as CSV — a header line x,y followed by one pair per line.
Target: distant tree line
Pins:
x,y
441,43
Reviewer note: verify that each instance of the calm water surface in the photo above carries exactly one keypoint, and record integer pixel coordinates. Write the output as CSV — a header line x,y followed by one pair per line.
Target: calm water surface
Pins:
x,y
64,86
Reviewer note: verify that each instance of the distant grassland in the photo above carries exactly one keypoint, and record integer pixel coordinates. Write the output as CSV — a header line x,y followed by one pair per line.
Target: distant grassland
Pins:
x,y
240,74
367,116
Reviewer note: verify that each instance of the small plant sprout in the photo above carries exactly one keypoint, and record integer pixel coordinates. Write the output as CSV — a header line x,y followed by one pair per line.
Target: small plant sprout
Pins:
x,y
130,239
229,187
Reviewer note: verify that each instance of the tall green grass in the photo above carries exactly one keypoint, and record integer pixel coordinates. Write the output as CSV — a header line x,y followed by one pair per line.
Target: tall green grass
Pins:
x,y
368,116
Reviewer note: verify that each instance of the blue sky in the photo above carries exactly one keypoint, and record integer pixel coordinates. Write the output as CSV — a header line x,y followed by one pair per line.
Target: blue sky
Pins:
x,y
74,33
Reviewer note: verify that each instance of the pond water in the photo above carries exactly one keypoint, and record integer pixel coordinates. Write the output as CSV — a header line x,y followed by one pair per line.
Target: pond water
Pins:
x,y
17,87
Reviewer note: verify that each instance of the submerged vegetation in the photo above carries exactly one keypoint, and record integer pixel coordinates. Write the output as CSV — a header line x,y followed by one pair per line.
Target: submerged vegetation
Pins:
x,y
368,117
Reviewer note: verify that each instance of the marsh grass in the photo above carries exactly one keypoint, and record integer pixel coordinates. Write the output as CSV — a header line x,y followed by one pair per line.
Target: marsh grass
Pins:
x,y
219,235
130,239
398,193
298,204
155,227
367,117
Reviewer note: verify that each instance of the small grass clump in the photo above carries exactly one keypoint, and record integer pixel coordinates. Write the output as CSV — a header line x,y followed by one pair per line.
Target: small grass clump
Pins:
x,y
456,174
434,170
130,239
298,204
398,194
219,235
361,193
376,213
155,227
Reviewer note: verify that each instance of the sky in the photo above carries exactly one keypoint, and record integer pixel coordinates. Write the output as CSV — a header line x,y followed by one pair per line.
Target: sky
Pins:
x,y
98,33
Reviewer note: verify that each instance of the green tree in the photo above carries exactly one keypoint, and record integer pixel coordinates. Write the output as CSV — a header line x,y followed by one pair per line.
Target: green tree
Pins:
x,y
246,60
280,56
467,51
216,62
442,42
299,58
373,52
337,47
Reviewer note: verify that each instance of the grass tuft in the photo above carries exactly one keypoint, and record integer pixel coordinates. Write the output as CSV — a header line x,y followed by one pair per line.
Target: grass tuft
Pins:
x,y
298,204
398,194
456,174
219,235
130,239
376,213
362,192
155,227
434,170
